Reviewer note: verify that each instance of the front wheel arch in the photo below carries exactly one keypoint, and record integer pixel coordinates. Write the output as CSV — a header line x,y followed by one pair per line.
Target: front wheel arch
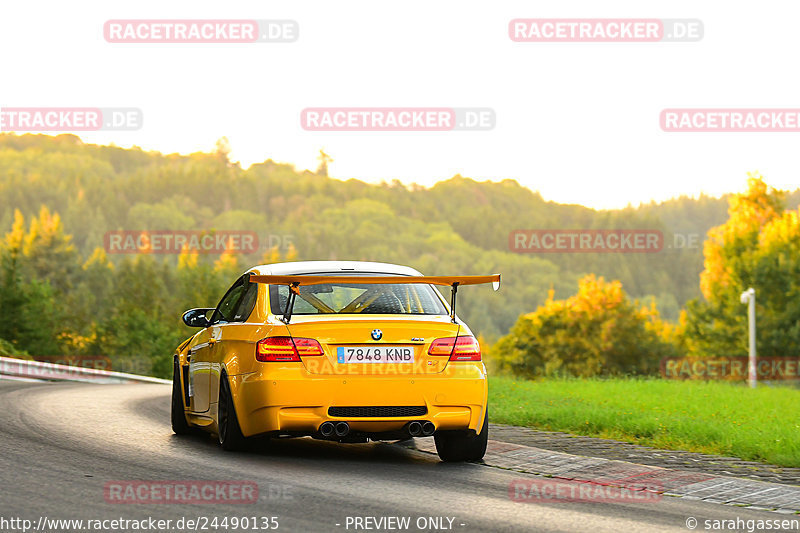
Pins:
x,y
178,409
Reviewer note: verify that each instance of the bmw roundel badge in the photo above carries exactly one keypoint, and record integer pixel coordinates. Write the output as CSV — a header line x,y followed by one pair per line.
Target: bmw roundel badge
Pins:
x,y
376,334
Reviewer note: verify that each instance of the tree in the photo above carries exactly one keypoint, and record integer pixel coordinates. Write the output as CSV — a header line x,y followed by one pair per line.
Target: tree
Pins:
x,y
222,150
143,321
29,316
756,247
324,159
90,300
46,252
598,331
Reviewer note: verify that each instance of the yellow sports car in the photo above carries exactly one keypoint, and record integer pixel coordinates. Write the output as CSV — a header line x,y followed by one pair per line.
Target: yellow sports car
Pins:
x,y
337,350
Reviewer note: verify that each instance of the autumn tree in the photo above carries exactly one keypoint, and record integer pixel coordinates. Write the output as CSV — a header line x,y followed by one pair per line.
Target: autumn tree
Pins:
x,y
759,247
598,331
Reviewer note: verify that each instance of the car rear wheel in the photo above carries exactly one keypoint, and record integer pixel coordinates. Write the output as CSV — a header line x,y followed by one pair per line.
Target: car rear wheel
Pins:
x,y
178,416
462,445
229,432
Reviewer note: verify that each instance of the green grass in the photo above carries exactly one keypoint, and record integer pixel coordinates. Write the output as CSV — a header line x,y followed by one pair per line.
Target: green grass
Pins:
x,y
761,424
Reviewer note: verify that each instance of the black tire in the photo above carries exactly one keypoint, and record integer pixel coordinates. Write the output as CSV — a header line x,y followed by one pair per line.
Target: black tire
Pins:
x,y
229,432
179,424
462,445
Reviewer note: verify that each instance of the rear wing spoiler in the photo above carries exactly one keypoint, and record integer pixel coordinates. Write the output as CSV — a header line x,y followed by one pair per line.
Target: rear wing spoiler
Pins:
x,y
296,281
376,280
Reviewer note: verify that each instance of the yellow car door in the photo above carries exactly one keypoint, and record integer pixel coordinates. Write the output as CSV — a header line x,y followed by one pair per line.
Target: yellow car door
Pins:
x,y
234,337
199,370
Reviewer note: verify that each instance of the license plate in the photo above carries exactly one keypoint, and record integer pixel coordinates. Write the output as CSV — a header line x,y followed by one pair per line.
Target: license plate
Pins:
x,y
375,354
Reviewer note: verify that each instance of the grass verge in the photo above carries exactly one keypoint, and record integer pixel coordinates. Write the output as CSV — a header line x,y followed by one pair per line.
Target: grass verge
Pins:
x,y
761,424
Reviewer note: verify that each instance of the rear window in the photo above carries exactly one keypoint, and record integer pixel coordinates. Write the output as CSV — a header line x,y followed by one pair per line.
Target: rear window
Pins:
x,y
354,298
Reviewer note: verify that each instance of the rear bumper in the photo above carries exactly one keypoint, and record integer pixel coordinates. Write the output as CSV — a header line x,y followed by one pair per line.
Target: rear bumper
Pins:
x,y
291,400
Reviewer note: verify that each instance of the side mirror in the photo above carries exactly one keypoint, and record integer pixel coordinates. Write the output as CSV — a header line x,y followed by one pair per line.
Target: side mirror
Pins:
x,y
196,318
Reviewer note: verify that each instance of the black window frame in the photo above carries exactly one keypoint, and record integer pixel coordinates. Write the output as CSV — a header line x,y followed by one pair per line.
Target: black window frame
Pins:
x,y
216,317
273,292
246,311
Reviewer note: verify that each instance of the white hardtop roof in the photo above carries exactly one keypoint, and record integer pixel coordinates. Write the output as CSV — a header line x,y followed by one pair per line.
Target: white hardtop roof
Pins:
x,y
327,267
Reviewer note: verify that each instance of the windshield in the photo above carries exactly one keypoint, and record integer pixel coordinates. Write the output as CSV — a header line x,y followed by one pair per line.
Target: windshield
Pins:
x,y
354,298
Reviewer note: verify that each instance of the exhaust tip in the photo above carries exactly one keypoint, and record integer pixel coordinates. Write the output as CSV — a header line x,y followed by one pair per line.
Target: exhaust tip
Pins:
x,y
428,428
414,428
327,429
342,429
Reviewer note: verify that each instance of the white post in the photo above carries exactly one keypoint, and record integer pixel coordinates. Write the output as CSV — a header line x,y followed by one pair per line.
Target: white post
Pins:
x,y
749,297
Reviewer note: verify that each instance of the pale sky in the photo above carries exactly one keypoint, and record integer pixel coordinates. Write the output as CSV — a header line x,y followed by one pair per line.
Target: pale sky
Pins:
x,y
578,122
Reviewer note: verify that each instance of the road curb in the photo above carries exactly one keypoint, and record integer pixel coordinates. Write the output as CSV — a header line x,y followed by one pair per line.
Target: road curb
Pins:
x,y
635,477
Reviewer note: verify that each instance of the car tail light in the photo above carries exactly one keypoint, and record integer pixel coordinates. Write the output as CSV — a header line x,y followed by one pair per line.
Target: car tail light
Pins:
x,y
467,349
286,349
307,346
442,346
464,348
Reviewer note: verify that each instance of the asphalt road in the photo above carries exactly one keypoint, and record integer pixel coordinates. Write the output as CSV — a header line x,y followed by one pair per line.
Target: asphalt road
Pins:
x,y
60,444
